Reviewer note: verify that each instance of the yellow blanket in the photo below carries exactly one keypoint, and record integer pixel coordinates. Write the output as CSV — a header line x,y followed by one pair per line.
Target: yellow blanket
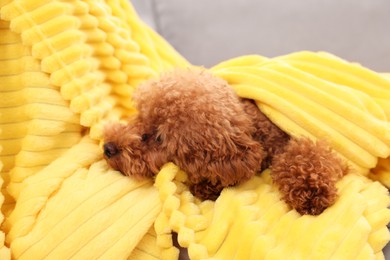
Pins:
x,y
67,67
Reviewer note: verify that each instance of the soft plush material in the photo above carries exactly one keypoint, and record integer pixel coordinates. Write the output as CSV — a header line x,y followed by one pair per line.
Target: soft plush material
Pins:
x,y
68,67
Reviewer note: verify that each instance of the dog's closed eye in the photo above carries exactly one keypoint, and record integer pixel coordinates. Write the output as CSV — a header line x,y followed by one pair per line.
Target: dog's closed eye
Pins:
x,y
144,137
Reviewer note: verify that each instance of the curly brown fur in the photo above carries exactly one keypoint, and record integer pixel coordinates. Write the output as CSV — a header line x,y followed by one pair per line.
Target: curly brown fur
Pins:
x,y
271,137
306,173
196,120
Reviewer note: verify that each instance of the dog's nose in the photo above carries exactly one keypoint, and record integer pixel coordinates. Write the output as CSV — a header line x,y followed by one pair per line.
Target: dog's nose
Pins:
x,y
110,149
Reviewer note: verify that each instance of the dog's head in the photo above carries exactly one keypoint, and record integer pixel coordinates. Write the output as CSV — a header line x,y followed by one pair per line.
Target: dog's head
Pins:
x,y
134,149
192,119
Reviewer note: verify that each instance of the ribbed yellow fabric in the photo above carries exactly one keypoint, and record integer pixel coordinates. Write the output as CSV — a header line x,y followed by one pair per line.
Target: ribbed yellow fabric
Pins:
x,y
5,253
146,249
71,207
332,68
64,65
306,105
382,172
250,222
68,67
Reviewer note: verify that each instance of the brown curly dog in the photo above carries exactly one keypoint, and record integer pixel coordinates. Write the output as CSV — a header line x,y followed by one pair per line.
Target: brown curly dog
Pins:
x,y
196,121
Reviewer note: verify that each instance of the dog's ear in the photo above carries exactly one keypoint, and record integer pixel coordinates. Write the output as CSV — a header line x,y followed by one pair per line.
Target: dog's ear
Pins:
x,y
239,160
215,154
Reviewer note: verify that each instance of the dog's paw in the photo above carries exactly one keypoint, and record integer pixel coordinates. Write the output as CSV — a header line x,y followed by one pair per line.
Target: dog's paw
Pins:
x,y
310,197
205,190
306,173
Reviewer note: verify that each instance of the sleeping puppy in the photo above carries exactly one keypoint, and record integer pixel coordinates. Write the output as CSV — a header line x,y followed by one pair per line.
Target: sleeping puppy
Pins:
x,y
195,120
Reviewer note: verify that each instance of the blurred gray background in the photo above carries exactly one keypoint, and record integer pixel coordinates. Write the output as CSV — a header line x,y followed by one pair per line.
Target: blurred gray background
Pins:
x,y
209,31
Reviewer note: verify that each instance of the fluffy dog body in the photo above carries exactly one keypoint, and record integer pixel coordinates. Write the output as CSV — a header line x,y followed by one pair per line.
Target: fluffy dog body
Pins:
x,y
196,120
